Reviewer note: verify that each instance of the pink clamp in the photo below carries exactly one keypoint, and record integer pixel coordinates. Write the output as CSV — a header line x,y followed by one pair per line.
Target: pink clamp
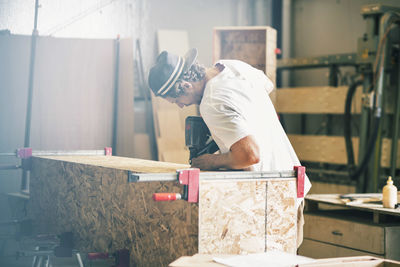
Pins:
x,y
190,177
301,173
108,151
24,153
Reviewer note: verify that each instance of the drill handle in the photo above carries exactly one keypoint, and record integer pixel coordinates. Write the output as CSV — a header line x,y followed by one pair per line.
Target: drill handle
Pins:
x,y
210,148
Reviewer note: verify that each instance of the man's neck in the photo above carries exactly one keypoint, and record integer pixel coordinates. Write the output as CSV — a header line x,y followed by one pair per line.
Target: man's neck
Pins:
x,y
212,72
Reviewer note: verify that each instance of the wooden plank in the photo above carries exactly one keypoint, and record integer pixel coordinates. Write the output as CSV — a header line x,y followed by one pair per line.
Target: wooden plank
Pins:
x,y
315,100
345,233
320,250
321,148
332,149
125,128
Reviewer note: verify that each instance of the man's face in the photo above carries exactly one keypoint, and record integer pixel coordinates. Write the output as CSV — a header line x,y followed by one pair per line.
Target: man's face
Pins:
x,y
189,97
183,100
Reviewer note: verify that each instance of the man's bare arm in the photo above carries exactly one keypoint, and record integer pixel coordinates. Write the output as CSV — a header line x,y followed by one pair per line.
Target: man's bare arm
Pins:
x,y
242,154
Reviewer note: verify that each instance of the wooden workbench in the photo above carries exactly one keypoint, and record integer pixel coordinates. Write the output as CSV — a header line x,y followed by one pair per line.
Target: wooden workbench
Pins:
x,y
336,229
91,197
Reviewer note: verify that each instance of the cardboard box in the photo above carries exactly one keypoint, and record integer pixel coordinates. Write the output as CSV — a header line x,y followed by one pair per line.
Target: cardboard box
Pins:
x,y
361,261
200,260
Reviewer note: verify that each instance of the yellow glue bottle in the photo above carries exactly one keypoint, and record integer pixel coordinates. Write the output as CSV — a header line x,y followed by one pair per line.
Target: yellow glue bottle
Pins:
x,y
389,194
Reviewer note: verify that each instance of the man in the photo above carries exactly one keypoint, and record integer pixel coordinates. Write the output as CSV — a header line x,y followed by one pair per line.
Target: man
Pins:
x,y
234,103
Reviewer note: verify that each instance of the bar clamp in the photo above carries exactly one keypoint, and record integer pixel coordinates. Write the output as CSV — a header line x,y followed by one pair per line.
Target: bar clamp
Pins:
x,y
189,178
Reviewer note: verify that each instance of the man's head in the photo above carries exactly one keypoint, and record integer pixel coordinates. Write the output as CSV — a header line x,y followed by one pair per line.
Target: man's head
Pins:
x,y
177,79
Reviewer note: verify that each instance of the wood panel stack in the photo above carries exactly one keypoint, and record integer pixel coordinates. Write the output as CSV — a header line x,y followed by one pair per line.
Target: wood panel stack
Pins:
x,y
91,197
324,148
323,100
254,45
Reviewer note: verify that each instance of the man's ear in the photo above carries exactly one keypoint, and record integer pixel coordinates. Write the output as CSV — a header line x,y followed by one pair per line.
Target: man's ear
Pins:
x,y
186,85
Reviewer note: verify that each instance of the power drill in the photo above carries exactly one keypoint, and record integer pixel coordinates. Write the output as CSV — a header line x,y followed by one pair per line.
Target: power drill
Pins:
x,y
198,137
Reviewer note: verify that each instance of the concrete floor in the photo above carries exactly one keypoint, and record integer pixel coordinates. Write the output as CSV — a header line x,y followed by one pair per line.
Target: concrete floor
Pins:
x,y
11,261
10,247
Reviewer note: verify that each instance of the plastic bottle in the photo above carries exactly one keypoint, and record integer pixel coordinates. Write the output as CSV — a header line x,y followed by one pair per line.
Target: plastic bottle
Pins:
x,y
389,194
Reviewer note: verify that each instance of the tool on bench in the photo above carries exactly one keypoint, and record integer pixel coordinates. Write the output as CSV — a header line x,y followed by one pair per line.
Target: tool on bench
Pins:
x,y
199,141
198,137
350,199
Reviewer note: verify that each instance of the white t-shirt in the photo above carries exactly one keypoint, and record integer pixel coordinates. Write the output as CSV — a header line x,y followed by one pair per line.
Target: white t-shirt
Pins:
x,y
236,104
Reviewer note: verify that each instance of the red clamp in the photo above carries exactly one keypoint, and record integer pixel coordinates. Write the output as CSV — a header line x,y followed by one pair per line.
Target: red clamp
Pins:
x,y
189,178
301,173
108,151
24,153
166,196
97,255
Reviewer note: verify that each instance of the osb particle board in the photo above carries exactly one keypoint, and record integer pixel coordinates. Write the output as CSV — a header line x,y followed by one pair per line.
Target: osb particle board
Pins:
x,y
90,196
240,217
253,45
230,214
281,228
93,199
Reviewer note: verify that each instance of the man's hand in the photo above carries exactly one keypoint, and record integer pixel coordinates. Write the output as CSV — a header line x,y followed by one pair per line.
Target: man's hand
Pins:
x,y
242,155
204,162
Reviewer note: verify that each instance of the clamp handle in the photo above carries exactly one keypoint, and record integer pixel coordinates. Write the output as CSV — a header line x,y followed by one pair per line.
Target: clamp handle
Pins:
x,y
166,196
